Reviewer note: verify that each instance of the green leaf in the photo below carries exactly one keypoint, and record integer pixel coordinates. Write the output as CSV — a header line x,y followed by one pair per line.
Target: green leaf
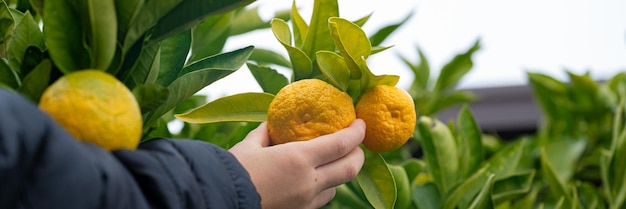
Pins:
x,y
228,61
126,60
224,135
377,181
184,87
126,11
382,34
26,34
483,199
617,168
248,20
35,5
266,57
159,130
197,76
618,137
150,96
149,14
378,49
617,86
32,57
64,36
413,167
426,196
512,186
584,92
607,164
173,53
506,160
370,80
8,77
361,21
190,13
465,188
210,36
334,69
440,152
403,186
301,63
7,24
36,82
529,200
146,68
347,197
549,93
564,154
17,15
606,175
471,144
590,196
300,27
247,107
356,188
559,203
269,79
454,70
352,42
354,90
99,22
318,36
189,104
575,202
421,71
556,185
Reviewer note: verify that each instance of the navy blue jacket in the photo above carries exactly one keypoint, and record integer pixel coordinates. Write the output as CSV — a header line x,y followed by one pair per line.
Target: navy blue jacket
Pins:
x,y
42,166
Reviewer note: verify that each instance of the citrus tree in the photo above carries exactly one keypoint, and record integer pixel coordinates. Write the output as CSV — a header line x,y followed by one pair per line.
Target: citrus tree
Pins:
x,y
166,51
335,50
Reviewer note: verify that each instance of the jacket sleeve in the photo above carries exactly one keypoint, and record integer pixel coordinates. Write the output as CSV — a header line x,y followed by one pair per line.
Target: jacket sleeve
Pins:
x,y
42,166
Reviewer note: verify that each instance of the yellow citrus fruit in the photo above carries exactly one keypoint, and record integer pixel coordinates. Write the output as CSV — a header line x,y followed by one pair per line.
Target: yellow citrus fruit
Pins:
x,y
306,109
95,107
389,115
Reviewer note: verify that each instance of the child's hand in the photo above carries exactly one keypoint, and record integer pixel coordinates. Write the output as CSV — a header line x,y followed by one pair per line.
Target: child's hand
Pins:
x,y
301,174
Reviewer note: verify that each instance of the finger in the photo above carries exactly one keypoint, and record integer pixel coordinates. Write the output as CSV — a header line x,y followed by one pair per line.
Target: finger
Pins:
x,y
259,136
342,170
330,147
323,198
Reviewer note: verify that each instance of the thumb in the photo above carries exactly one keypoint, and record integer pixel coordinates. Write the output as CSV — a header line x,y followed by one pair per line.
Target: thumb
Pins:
x,y
259,136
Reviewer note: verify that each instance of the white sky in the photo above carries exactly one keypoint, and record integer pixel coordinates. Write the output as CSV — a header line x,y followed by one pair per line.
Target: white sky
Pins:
x,y
516,37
